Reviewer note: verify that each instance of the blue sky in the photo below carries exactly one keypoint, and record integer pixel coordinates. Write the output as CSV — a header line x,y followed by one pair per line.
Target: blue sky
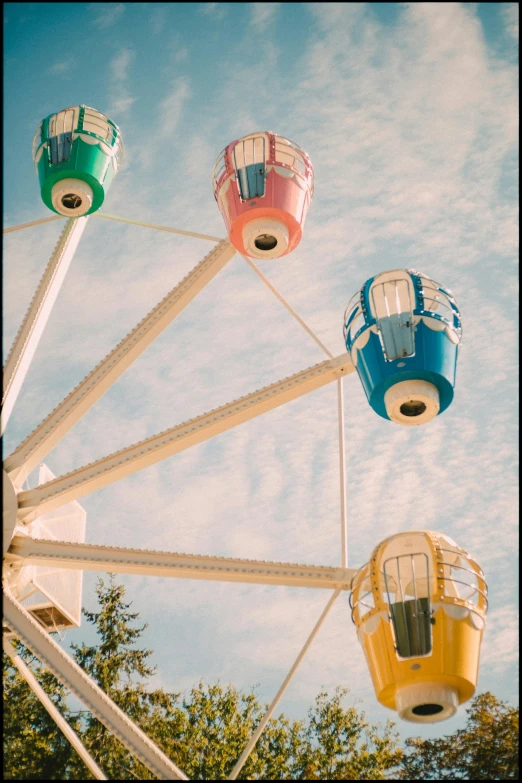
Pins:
x,y
409,113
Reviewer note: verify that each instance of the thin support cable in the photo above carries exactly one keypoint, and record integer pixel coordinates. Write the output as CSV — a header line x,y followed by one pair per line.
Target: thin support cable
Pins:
x,y
34,223
159,228
268,714
288,306
342,476
121,220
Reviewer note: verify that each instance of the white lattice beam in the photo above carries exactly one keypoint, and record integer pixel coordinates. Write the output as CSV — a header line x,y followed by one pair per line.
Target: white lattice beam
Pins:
x,y
33,325
90,557
32,503
49,433
342,474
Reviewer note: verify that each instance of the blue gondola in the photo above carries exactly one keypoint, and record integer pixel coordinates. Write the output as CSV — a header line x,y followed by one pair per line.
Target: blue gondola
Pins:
x,y
403,331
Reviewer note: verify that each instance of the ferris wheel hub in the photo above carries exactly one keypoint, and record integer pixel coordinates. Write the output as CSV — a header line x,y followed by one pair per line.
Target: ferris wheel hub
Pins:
x,y
72,197
9,512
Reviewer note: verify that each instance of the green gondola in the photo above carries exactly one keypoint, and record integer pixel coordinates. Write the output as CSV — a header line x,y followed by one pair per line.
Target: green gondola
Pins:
x,y
77,153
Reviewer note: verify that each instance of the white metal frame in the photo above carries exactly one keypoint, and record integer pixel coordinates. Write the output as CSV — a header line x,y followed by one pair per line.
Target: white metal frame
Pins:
x,y
31,330
34,502
25,550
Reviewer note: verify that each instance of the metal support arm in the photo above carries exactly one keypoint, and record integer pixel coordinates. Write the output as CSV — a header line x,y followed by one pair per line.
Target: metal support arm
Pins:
x,y
90,557
73,677
30,332
32,503
46,436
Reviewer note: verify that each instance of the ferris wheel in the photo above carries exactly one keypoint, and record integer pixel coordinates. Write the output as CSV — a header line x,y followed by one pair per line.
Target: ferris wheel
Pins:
x,y
418,605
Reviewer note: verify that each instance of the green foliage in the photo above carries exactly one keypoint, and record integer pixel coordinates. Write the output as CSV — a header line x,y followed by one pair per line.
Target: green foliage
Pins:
x,y
486,749
338,744
216,717
119,669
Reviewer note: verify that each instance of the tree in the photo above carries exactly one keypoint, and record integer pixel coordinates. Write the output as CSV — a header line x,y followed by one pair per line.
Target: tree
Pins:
x,y
216,724
190,730
486,749
338,744
121,670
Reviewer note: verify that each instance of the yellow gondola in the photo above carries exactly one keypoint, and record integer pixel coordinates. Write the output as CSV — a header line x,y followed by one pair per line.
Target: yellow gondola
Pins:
x,y
419,606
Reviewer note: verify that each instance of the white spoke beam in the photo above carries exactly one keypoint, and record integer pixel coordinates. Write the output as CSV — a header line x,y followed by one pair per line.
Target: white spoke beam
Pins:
x,y
30,332
33,223
90,557
46,436
268,714
160,228
32,503
73,677
53,711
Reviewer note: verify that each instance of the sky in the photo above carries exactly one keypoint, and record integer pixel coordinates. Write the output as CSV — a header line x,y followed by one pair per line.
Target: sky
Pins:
x,y
409,112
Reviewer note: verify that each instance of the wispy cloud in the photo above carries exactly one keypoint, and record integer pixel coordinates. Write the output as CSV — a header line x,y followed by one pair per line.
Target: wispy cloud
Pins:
x,y
120,98
510,15
171,107
120,64
501,639
263,14
62,67
106,14
177,48
181,54
120,106
216,11
158,19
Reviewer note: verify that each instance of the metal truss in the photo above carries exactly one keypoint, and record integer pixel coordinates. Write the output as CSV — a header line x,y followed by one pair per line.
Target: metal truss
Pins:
x,y
25,550
58,423
34,502
31,330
